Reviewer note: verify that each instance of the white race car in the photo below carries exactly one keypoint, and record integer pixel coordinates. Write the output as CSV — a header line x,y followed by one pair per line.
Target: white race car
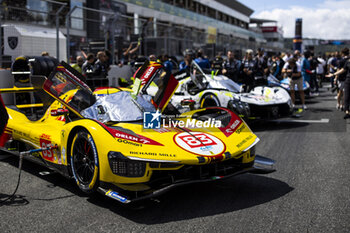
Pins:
x,y
206,90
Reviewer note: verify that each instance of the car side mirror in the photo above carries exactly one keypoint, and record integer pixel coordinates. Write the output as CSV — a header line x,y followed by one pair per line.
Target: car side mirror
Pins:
x,y
59,112
188,102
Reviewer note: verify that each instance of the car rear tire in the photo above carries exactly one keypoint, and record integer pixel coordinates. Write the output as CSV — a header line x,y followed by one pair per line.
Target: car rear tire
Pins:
x,y
210,100
84,161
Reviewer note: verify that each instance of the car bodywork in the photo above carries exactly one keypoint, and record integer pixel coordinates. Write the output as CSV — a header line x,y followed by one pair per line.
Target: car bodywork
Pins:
x,y
285,83
115,154
3,116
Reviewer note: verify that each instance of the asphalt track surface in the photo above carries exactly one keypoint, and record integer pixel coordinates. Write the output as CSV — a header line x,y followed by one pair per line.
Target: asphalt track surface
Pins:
x,y
308,193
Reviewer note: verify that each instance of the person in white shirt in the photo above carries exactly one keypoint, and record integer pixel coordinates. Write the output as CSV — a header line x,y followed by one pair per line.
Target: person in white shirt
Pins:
x,y
293,72
320,69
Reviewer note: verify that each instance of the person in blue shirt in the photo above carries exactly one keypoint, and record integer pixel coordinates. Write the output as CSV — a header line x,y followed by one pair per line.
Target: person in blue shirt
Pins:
x,y
168,65
186,63
201,60
305,66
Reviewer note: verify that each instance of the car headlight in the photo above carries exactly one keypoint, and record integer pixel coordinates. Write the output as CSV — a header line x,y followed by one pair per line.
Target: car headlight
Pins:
x,y
241,108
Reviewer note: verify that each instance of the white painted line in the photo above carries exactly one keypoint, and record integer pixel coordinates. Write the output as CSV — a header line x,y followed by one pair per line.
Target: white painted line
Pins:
x,y
303,121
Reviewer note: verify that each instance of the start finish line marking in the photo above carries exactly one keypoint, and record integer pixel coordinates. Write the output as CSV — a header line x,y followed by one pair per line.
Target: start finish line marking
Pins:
x,y
322,121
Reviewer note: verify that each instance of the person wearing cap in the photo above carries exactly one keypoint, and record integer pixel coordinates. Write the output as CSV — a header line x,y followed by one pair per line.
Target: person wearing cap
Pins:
x,y
186,63
217,65
231,67
293,72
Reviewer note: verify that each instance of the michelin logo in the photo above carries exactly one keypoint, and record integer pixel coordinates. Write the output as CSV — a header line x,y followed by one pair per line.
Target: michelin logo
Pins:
x,y
151,120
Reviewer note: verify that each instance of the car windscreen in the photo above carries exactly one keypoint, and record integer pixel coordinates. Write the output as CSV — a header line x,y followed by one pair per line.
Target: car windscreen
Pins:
x,y
197,75
119,107
61,82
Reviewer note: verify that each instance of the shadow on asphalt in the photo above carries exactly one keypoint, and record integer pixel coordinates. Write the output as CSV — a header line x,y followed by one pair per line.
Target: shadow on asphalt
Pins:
x,y
187,202
201,200
275,126
16,200
54,179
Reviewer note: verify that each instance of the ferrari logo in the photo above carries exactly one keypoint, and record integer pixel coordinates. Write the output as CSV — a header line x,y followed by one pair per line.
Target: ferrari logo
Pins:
x,y
12,41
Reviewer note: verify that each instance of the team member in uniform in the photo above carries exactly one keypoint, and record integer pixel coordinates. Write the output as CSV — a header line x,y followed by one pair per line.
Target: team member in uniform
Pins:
x,y
231,67
247,69
88,66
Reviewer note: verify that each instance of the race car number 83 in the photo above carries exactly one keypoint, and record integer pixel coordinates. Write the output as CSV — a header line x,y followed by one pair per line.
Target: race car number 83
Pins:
x,y
199,143
198,140
47,154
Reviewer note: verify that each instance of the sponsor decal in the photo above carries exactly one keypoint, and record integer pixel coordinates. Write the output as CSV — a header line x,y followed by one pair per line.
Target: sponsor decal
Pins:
x,y
199,143
116,196
94,149
232,126
45,136
131,137
239,130
151,154
128,142
244,141
63,152
147,75
206,148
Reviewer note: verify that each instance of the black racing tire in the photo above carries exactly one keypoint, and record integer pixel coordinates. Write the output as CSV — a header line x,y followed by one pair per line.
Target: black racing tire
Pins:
x,y
43,65
210,100
84,161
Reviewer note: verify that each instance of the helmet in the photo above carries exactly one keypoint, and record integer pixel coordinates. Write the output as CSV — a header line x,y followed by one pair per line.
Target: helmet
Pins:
x,y
249,51
189,52
217,63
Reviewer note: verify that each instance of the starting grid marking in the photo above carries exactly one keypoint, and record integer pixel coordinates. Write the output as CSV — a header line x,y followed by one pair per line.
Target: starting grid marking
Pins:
x,y
322,121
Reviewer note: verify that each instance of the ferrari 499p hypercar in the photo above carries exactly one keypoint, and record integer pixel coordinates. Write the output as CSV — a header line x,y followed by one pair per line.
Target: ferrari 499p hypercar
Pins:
x,y
127,144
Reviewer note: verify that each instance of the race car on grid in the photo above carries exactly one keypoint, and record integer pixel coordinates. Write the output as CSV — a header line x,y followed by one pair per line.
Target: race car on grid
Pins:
x,y
101,138
209,90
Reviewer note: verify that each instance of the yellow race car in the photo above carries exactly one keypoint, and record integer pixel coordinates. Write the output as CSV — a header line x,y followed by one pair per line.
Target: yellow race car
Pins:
x,y
126,144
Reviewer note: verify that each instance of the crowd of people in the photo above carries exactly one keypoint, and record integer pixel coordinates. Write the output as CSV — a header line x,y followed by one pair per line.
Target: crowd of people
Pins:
x,y
250,71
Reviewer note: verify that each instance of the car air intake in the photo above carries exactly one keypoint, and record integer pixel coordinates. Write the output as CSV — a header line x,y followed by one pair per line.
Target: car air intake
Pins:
x,y
122,166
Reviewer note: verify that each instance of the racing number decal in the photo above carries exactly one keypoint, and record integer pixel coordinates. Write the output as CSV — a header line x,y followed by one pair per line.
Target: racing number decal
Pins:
x,y
47,154
199,143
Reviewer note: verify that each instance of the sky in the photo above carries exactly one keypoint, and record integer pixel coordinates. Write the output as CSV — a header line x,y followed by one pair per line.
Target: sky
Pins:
x,y
322,19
